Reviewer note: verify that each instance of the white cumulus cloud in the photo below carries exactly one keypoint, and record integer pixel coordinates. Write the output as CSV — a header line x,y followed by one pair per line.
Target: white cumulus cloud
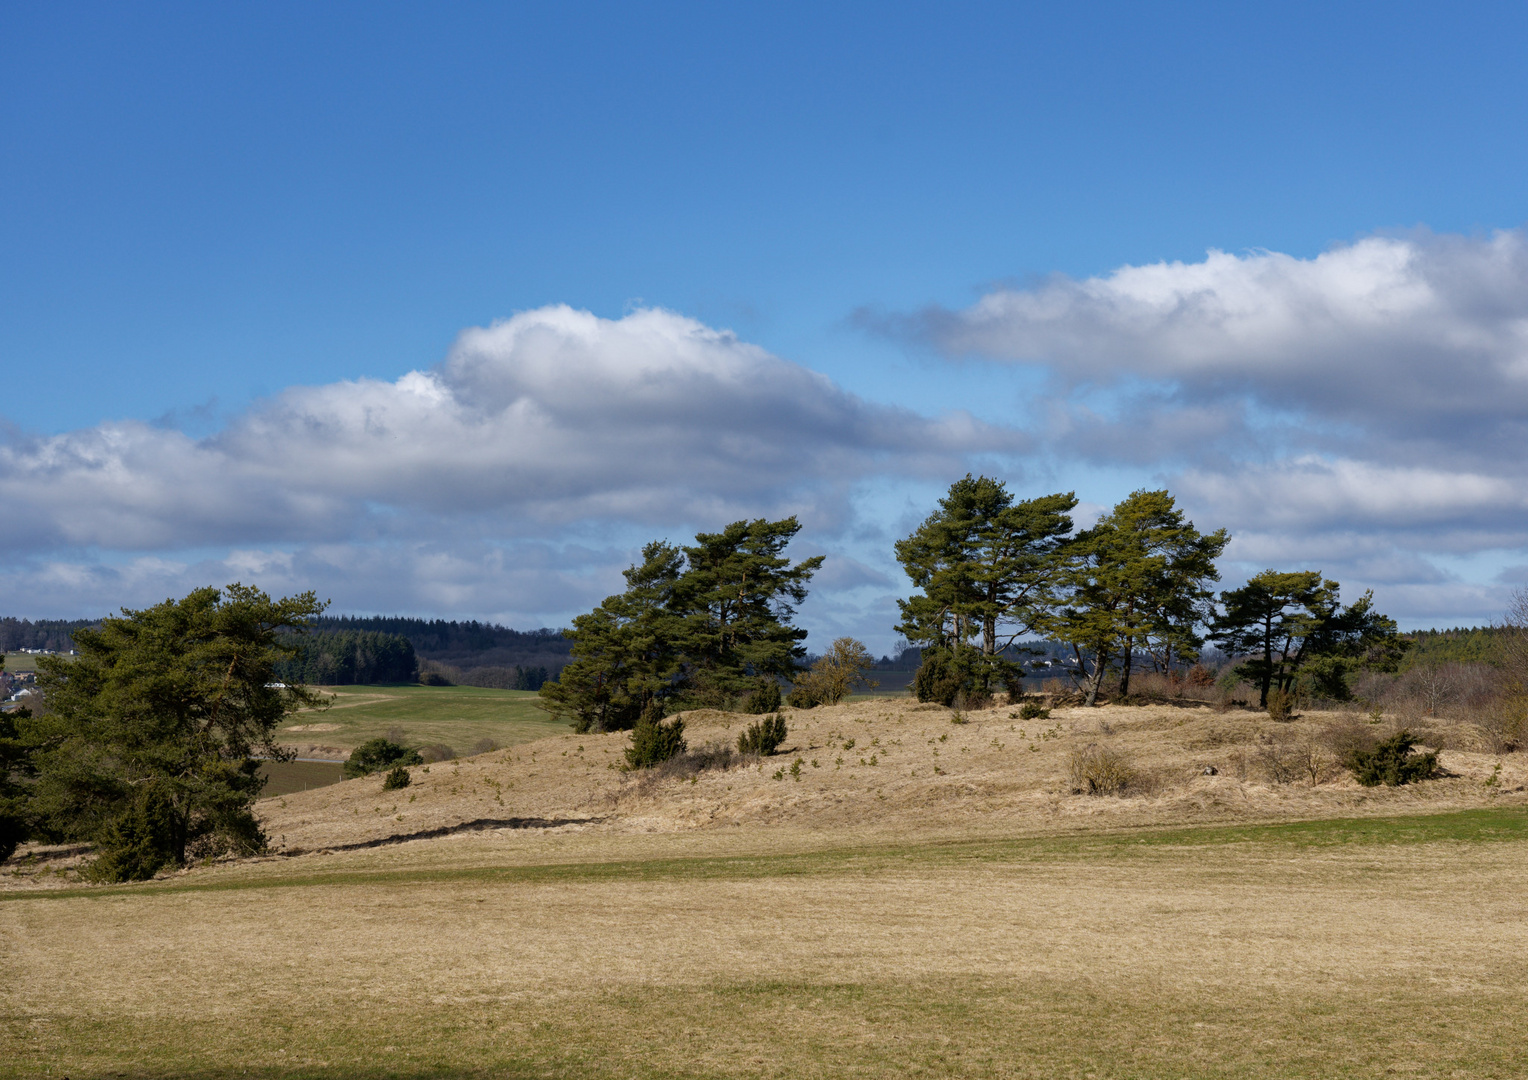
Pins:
x,y
551,417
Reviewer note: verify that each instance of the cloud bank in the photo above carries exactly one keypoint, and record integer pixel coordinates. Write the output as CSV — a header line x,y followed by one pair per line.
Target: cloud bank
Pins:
x,y
550,425
1378,389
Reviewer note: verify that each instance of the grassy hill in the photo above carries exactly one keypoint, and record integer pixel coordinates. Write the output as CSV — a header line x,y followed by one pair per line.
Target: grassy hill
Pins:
x,y
934,900
457,716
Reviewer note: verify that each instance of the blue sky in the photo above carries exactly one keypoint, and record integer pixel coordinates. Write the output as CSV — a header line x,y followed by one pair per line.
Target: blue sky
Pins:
x,y
948,212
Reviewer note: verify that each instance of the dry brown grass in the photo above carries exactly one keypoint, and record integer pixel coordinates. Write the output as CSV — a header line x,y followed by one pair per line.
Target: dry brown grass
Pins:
x,y
952,909
994,772
607,956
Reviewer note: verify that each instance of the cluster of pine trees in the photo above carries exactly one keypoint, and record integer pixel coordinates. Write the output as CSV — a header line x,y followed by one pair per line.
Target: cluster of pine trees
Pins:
x,y
1137,587
347,657
700,625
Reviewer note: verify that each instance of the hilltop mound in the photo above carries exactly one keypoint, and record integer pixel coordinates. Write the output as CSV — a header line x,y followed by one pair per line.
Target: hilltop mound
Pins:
x,y
894,765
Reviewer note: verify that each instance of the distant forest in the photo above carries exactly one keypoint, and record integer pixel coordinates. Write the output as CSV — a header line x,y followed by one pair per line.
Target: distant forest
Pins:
x,y
346,657
469,653
375,649
49,635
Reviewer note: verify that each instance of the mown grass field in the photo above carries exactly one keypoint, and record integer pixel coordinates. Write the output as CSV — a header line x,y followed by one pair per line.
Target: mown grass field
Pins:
x,y
20,663
457,716
1353,948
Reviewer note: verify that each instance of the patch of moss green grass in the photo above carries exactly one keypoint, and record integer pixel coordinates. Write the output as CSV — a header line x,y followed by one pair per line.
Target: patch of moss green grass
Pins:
x,y
1481,826
457,716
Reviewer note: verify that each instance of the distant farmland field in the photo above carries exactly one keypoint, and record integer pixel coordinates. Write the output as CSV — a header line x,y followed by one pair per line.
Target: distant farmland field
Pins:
x,y
457,716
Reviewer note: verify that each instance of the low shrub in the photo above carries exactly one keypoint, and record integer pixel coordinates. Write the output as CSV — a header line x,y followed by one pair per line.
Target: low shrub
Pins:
x,y
435,752
1281,704
139,842
1098,770
1033,710
1504,723
1200,677
653,741
374,755
802,696
764,699
1292,760
762,736
484,746
1392,763
397,778
688,765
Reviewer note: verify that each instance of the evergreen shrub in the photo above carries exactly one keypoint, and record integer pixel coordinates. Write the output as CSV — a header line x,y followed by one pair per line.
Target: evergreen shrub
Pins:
x,y
762,736
397,778
374,755
764,699
653,741
1391,762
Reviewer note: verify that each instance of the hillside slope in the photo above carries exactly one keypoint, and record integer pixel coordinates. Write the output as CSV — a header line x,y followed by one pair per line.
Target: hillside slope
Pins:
x,y
885,765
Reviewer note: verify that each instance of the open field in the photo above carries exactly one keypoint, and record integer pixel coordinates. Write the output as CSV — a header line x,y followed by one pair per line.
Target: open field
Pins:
x,y
457,716
951,909
1351,948
20,663
289,777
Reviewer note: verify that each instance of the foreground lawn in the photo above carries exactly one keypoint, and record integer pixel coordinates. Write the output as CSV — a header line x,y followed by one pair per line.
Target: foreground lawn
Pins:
x,y
457,716
1348,948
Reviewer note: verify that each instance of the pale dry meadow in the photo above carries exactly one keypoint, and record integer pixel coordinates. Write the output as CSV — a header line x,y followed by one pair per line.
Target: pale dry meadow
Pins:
x,y
536,912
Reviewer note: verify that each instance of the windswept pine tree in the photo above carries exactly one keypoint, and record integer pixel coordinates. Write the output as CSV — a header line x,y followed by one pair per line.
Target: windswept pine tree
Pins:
x,y
988,569
698,624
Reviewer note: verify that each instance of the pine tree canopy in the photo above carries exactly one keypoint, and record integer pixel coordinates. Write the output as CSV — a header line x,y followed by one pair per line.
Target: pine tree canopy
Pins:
x,y
701,623
149,738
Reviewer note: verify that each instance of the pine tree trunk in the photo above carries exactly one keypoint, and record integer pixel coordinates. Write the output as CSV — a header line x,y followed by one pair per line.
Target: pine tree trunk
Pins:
x,y
1100,665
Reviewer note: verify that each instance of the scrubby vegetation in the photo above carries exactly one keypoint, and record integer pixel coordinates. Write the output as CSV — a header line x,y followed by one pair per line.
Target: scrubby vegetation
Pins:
x,y
374,755
1391,762
654,740
1099,770
764,699
762,736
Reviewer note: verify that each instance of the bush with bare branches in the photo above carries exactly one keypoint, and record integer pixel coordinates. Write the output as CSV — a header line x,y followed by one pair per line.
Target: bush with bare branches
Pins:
x,y
1100,770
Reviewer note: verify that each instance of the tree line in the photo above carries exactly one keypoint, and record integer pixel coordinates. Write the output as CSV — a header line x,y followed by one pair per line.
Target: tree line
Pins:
x,y
47,635
1136,588
347,657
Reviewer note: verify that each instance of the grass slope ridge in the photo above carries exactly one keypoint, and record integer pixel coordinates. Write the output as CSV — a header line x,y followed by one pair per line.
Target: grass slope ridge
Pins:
x,y
883,765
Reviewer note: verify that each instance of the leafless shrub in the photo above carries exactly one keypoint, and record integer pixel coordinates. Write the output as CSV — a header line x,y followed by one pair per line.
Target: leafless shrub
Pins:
x,y
437,752
397,735
484,746
1342,738
1100,770
1174,687
1298,758
1504,724
973,701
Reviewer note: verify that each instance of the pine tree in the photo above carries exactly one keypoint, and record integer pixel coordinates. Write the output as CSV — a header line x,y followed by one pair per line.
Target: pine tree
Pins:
x,y
987,569
739,592
149,739
1283,622
626,651
1137,578
701,624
